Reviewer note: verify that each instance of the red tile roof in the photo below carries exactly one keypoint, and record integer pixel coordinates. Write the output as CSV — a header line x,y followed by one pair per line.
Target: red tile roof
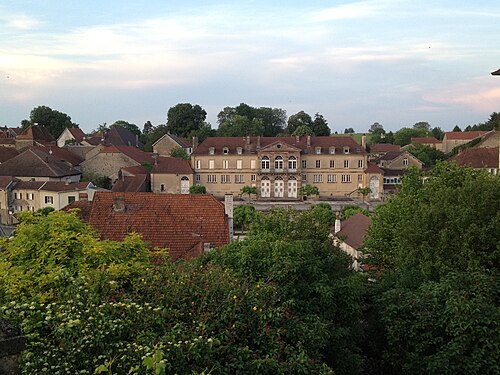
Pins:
x,y
249,145
6,180
478,157
77,133
7,153
182,223
131,183
353,230
59,186
391,155
464,135
36,132
425,140
167,165
61,154
383,147
374,168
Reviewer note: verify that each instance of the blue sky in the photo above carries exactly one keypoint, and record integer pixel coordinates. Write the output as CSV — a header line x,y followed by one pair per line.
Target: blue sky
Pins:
x,y
355,62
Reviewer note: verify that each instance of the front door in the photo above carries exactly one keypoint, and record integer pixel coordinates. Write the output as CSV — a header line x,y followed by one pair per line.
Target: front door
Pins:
x,y
265,188
185,185
292,188
374,188
279,189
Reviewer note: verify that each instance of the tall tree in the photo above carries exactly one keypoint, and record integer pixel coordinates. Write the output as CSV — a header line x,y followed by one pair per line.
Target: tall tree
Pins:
x,y
299,119
320,126
457,129
133,128
375,127
184,119
148,127
404,135
437,133
422,125
53,120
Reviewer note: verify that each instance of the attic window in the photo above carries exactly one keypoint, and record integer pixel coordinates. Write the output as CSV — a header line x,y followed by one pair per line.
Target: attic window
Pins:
x,y
278,145
318,150
332,150
346,150
211,150
239,150
225,151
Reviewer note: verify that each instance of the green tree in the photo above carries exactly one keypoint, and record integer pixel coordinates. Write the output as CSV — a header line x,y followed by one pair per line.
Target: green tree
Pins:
x,y
133,128
243,216
308,190
247,120
183,119
426,154
404,135
148,127
299,119
99,181
364,192
152,136
302,130
197,189
376,127
240,126
320,126
437,133
249,190
422,125
350,210
179,152
349,131
53,120
457,129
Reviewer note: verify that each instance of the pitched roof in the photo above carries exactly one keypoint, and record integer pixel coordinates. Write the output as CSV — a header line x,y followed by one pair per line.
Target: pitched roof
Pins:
x,y
119,136
383,147
183,142
61,154
7,153
5,181
60,186
77,133
484,157
374,169
425,140
36,163
37,133
353,230
134,170
166,164
131,183
249,144
132,152
178,222
464,135
391,155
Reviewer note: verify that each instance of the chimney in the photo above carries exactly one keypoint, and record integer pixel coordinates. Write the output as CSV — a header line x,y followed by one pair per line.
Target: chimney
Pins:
x,y
195,143
308,141
119,203
363,141
297,138
136,140
67,181
248,140
337,223
258,142
228,210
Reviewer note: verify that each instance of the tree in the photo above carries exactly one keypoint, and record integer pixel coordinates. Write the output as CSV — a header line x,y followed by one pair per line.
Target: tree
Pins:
x,y
152,136
197,189
240,126
53,120
404,135
133,128
183,119
364,192
243,216
457,129
148,127
246,120
299,119
422,125
426,154
308,190
350,210
349,131
320,126
249,190
437,133
376,127
302,130
378,135
179,152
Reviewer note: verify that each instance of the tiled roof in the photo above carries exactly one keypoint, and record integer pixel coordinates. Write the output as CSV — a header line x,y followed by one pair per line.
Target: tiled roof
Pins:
x,y
179,222
383,147
391,155
484,157
131,183
36,163
353,230
425,140
37,133
183,142
118,136
61,154
464,135
134,170
218,143
6,180
63,186
7,153
77,133
166,164
7,141
132,152
28,185
374,168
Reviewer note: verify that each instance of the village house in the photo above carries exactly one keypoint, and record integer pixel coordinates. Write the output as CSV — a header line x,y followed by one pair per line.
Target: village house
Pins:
x,y
487,158
379,149
168,142
187,225
427,141
133,179
71,135
394,165
34,135
171,176
454,139
279,166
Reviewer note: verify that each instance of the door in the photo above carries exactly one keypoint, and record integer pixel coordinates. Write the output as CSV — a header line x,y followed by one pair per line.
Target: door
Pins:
x,y
279,189
374,188
185,185
265,188
292,188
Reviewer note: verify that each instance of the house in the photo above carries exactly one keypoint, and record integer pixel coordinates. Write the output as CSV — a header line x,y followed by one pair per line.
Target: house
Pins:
x,y
379,149
428,141
108,160
187,225
118,136
71,135
133,179
488,139
279,166
38,164
394,165
32,136
454,139
168,142
375,174
171,176
487,158
349,236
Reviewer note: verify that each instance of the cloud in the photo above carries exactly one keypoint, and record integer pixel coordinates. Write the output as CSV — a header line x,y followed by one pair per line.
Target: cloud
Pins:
x,y
354,10
18,21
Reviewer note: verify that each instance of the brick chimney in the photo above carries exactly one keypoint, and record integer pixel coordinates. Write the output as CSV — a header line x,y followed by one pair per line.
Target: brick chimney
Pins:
x,y
308,141
195,143
363,141
119,203
258,142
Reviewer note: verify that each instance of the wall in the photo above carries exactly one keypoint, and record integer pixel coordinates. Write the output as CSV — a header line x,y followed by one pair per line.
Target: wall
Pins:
x,y
171,181
164,146
107,164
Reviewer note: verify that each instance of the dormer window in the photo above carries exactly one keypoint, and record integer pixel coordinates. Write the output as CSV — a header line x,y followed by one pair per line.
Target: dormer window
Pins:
x,y
211,150
332,150
239,150
318,150
278,145
225,151
346,150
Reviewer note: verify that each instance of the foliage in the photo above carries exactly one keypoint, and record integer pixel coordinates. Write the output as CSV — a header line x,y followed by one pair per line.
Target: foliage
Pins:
x,y
179,152
437,133
493,123
99,181
302,130
457,129
152,136
244,215
404,135
320,126
426,154
364,192
53,120
147,128
376,127
183,119
197,189
133,128
148,166
308,190
300,119
44,211
350,210
422,125
349,131
249,190
240,126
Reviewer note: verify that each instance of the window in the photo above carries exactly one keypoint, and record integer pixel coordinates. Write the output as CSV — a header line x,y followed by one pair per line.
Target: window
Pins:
x,y
332,150
253,177
360,163
211,164
238,179
360,178
332,163
331,178
292,163
31,208
211,150
225,164
346,163
198,164
162,187
304,163
317,178
49,200
239,150
212,178
265,164
346,178
405,162
18,195
346,150
278,162
304,178
197,178
318,163
225,151
318,150
225,179
252,164
71,199
239,164
30,196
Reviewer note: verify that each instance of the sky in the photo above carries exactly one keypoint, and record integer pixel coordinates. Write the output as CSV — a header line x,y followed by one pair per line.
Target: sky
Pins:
x,y
355,62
